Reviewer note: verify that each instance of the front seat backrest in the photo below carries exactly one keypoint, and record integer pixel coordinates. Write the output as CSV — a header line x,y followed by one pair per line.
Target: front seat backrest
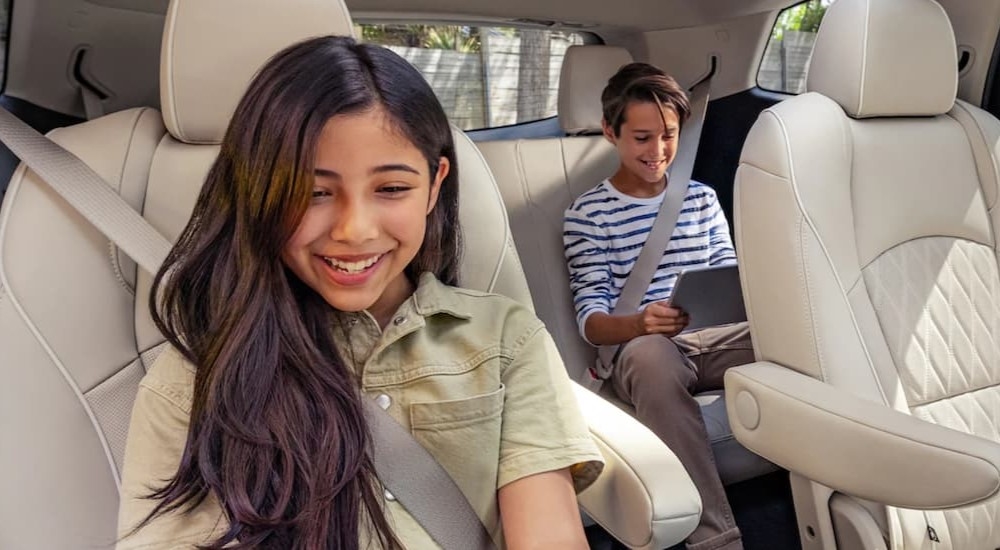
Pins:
x,y
75,334
866,227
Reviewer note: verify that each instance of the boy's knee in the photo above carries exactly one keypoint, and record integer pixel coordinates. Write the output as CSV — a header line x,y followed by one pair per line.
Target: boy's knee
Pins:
x,y
651,348
654,360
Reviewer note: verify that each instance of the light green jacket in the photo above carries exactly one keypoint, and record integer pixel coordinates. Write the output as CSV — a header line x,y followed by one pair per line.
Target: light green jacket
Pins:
x,y
474,377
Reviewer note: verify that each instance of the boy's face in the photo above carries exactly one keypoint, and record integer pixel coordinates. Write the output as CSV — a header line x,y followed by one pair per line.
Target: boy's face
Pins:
x,y
646,146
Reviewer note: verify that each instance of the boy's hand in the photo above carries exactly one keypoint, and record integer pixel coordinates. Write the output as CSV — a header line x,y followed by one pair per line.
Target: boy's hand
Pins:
x,y
604,329
661,318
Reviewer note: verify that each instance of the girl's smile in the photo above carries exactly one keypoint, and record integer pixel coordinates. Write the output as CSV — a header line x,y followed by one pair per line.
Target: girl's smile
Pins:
x,y
366,220
350,272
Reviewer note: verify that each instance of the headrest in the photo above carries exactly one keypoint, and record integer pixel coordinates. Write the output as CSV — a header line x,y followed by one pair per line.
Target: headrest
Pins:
x,y
886,58
212,49
585,73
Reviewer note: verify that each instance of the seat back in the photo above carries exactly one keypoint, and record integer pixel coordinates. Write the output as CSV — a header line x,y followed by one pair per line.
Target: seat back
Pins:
x,y
866,229
540,178
75,332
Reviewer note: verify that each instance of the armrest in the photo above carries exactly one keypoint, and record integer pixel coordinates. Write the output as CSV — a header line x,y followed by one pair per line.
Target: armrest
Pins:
x,y
856,446
644,498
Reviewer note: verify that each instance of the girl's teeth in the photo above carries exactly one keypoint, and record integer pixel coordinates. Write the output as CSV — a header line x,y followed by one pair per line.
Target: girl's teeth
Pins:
x,y
352,267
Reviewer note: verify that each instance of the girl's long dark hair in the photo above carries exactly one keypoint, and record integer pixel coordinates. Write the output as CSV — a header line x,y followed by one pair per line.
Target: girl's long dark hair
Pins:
x,y
277,431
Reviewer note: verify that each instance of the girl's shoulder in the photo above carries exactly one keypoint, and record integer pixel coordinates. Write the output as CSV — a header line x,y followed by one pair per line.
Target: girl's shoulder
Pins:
x,y
172,377
483,310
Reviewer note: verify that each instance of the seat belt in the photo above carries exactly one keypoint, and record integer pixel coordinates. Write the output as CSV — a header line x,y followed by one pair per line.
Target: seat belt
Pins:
x,y
423,487
86,192
92,105
646,264
408,470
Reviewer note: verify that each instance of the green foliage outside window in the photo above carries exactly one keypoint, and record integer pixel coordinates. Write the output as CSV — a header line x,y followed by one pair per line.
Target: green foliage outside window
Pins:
x,y
436,37
804,17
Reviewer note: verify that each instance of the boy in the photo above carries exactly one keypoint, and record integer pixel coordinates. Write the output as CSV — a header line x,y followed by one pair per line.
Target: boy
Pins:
x,y
657,369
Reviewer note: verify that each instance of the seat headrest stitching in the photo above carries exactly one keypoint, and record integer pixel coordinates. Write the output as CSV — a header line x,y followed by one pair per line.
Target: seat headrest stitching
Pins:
x,y
168,60
864,56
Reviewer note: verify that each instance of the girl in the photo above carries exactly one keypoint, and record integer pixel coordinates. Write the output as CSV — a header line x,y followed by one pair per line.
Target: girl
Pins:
x,y
317,271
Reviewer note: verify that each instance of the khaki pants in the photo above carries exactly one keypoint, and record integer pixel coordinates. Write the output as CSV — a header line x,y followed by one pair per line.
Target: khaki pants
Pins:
x,y
659,376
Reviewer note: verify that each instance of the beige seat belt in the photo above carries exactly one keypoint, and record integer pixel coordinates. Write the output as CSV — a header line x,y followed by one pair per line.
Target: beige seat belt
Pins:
x,y
86,192
645,267
422,486
92,105
406,469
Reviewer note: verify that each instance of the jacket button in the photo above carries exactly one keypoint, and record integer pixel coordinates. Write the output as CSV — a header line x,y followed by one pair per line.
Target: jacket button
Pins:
x,y
383,401
399,320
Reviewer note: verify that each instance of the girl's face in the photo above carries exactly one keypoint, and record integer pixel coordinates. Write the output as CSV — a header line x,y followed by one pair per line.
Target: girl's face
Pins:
x,y
367,216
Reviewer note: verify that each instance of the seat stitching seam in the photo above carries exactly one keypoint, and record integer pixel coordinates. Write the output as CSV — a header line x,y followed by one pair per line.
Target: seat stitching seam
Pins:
x,y
502,255
755,167
809,306
864,57
169,57
74,387
115,253
826,255
993,163
116,267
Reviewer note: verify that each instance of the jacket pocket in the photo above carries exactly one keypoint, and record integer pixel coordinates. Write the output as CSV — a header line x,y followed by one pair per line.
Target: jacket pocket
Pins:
x,y
438,415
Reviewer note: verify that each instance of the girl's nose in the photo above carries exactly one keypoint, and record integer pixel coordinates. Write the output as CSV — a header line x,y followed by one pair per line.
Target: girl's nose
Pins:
x,y
354,222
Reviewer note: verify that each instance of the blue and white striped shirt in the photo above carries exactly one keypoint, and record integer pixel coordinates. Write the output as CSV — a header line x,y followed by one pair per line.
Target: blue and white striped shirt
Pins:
x,y
603,233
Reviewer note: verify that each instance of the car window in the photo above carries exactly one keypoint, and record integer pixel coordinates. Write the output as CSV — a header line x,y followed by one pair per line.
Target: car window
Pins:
x,y
786,57
485,77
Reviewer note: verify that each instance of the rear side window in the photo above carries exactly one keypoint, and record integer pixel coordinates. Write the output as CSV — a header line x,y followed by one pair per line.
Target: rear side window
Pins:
x,y
484,76
786,57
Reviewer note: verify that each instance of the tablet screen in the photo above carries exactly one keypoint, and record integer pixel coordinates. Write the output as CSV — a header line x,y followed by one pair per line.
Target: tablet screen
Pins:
x,y
711,296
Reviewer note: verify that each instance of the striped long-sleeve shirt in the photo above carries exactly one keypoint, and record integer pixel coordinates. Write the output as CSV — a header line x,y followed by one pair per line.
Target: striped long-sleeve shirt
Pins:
x,y
603,233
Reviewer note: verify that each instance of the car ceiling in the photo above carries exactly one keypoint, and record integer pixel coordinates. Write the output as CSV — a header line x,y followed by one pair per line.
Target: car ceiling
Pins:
x,y
644,15
123,35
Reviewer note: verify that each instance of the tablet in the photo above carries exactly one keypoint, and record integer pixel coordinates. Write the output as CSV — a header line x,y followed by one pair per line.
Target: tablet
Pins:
x,y
711,296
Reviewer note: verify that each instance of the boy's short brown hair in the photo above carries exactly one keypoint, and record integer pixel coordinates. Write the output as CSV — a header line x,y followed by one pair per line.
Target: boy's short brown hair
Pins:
x,y
644,83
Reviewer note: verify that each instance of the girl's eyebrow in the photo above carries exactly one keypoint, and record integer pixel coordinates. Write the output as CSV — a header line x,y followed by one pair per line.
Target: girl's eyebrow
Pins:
x,y
323,172
395,168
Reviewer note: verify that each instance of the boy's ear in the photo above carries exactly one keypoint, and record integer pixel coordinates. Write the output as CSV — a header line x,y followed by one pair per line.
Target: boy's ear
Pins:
x,y
444,166
609,132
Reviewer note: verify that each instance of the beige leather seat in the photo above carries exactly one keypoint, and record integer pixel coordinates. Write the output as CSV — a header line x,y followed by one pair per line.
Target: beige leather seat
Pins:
x,y
538,179
75,335
867,229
